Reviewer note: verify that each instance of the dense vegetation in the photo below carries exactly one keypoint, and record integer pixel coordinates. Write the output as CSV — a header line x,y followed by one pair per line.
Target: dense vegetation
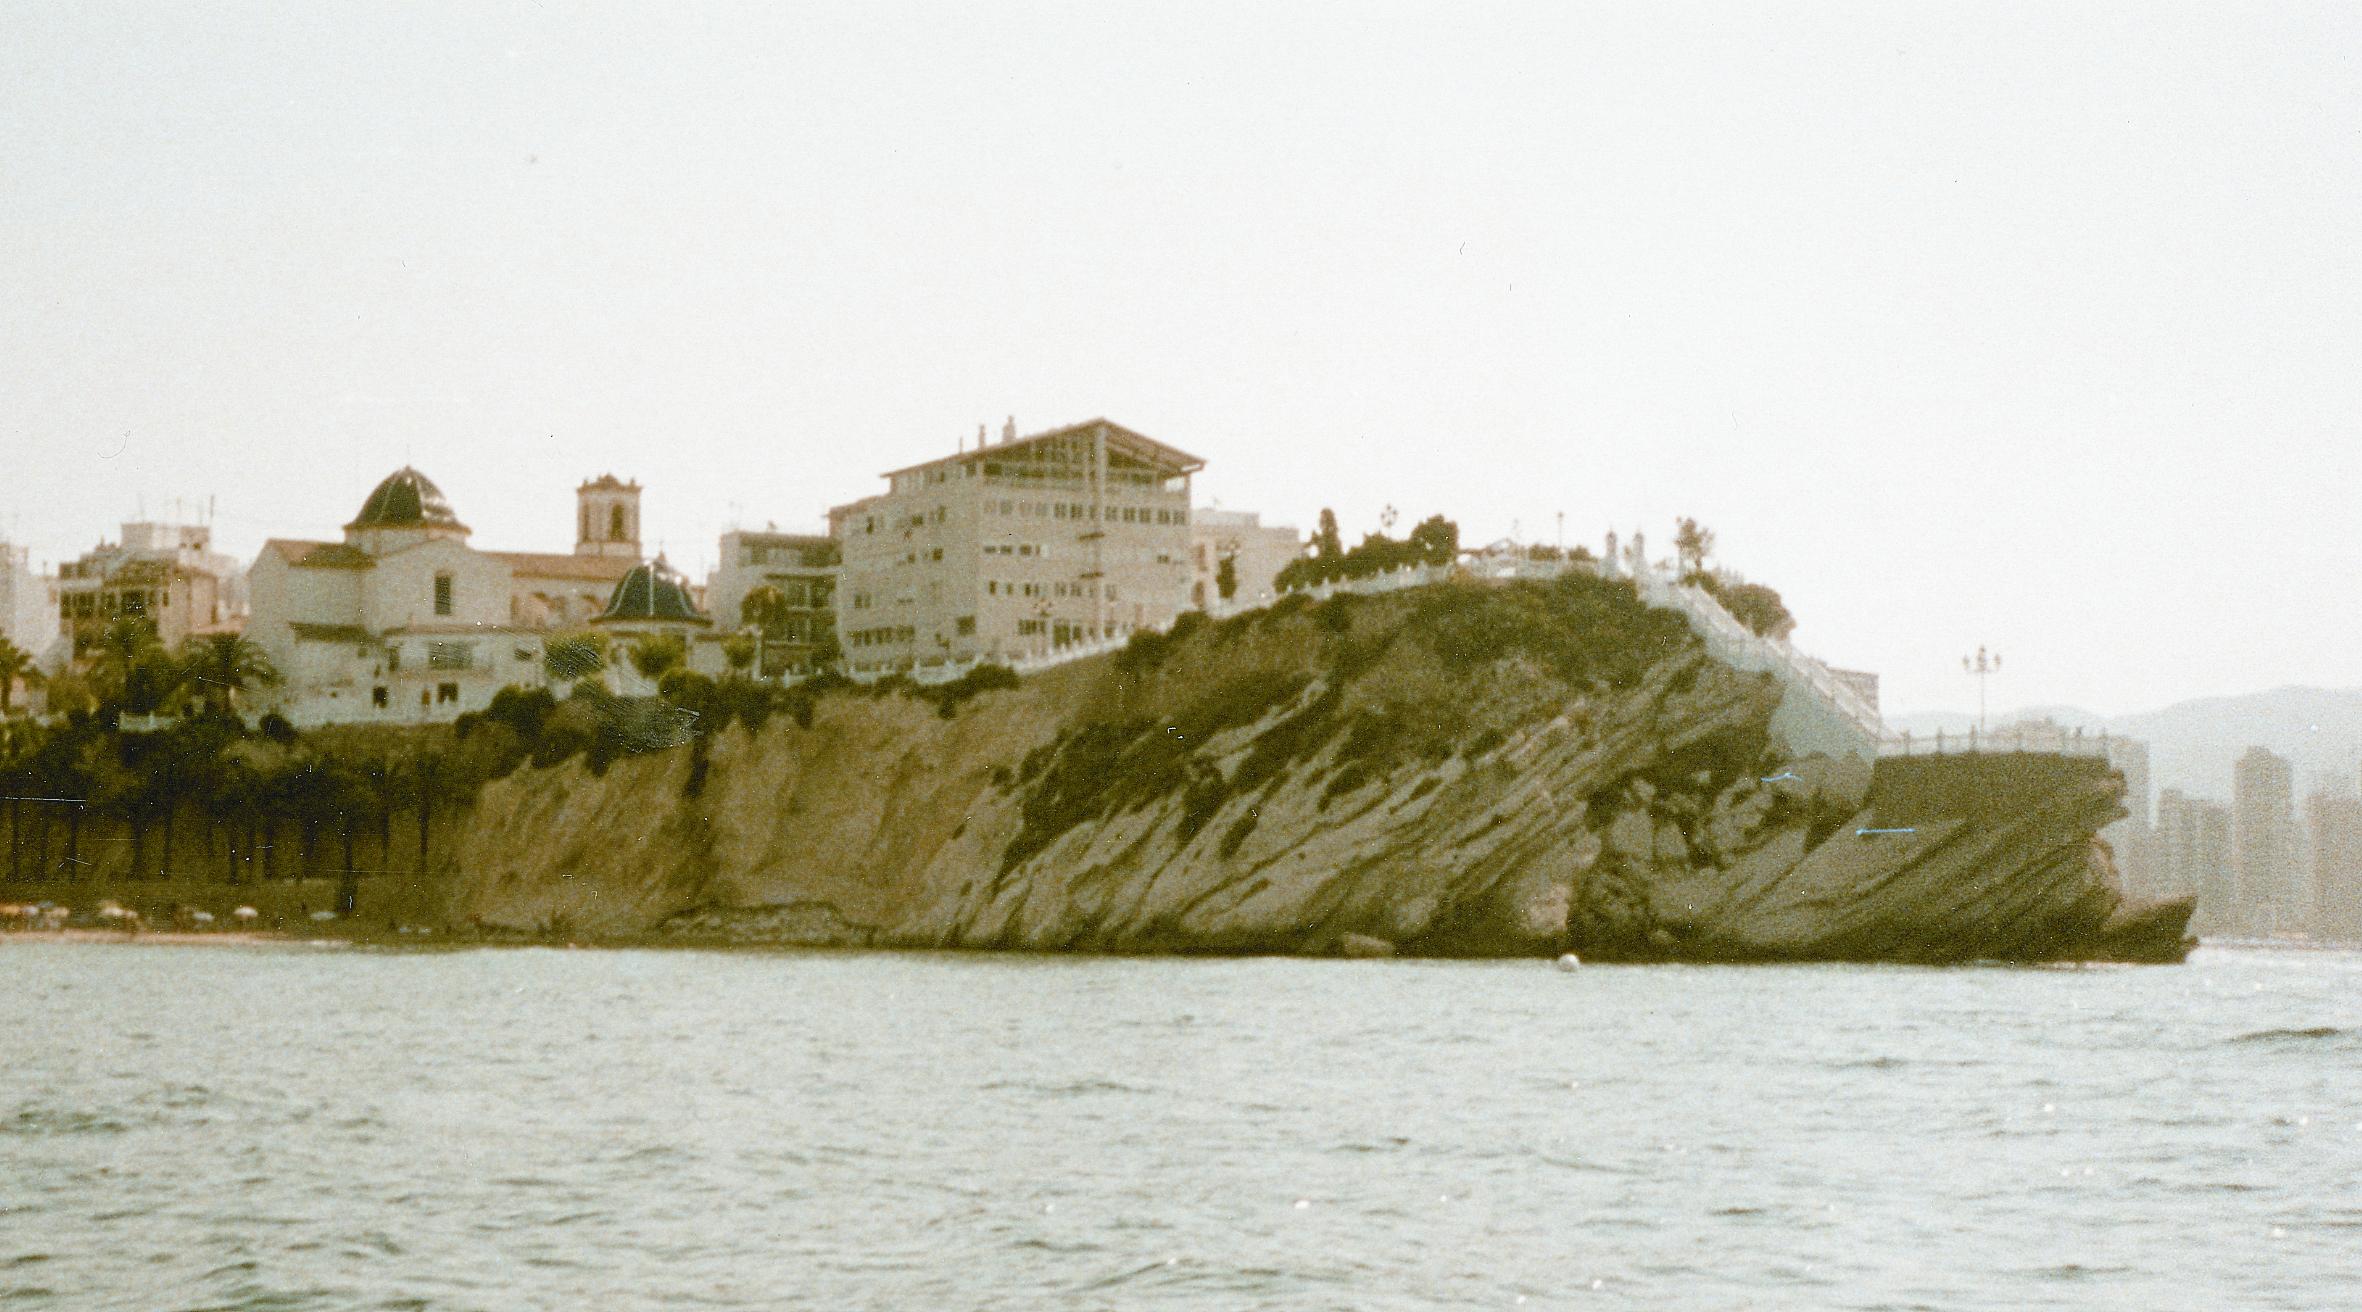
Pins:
x,y
1595,635
210,767
1436,541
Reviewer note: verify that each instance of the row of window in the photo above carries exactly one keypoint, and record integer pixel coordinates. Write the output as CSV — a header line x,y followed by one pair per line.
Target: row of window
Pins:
x,y
880,637
1009,588
443,694
1079,510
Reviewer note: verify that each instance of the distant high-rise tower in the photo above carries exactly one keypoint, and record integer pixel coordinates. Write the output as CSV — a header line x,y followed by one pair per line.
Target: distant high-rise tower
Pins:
x,y
2335,823
2269,884
607,518
2131,838
2192,857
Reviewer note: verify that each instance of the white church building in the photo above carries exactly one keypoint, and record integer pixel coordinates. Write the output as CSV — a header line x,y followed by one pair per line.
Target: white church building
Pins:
x,y
403,622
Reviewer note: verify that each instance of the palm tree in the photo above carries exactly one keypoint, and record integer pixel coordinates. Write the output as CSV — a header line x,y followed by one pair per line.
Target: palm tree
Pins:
x,y
1692,544
15,664
227,664
133,669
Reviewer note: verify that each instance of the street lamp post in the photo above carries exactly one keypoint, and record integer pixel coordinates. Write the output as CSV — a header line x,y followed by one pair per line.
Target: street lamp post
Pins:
x,y
1983,666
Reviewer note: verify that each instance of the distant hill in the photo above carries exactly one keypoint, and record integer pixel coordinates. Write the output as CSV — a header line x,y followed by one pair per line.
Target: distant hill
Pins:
x,y
2192,744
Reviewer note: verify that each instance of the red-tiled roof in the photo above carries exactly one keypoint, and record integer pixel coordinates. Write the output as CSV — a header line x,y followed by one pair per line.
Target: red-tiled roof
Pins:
x,y
552,565
319,555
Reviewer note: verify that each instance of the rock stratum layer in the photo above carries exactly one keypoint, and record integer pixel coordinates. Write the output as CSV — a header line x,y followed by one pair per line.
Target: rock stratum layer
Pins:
x,y
1466,770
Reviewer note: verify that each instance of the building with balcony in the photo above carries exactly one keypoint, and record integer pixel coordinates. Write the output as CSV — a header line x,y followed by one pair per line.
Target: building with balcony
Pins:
x,y
802,569
1015,547
166,574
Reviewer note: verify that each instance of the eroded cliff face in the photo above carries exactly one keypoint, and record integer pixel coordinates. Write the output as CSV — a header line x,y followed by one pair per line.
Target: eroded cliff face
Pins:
x,y
1460,771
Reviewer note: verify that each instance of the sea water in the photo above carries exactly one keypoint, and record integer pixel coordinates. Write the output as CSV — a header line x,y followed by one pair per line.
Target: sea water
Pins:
x,y
301,1127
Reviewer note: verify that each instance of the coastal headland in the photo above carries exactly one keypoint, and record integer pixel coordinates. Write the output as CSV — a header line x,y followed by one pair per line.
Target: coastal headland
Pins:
x,y
1469,769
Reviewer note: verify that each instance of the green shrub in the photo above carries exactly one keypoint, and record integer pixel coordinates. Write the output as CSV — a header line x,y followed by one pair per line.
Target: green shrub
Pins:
x,y
982,679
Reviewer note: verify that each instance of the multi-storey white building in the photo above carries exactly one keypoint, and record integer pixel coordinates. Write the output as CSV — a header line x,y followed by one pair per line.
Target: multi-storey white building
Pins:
x,y
28,618
404,622
167,574
1016,547
802,568
1257,552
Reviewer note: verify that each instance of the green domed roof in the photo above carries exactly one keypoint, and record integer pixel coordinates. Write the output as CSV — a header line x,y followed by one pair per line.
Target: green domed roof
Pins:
x,y
406,499
654,591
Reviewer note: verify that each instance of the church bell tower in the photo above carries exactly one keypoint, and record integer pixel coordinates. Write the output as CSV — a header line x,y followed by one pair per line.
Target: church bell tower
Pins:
x,y
607,518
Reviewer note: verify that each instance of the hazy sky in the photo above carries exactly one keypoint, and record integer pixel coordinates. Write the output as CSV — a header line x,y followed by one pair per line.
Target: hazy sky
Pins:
x,y
2036,326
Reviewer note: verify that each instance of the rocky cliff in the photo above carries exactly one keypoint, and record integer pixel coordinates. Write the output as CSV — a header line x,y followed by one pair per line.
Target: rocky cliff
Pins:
x,y
1461,770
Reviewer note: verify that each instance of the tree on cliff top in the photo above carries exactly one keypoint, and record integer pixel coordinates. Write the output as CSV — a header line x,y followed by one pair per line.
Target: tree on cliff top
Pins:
x,y
1436,541
1692,544
1752,604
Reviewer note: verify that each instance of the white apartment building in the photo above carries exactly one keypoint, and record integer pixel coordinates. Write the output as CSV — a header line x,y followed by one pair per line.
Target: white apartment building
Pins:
x,y
28,607
167,574
802,568
1257,553
1016,547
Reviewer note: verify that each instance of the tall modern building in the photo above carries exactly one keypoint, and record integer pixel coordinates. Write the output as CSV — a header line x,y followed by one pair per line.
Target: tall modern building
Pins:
x,y
2270,885
1016,547
2132,837
2335,826
2192,857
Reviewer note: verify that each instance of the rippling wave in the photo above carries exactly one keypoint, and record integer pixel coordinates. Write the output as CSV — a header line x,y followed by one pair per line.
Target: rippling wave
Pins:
x,y
273,1128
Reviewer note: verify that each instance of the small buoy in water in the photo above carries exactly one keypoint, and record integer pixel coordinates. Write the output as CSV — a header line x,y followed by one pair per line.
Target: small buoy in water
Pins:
x,y
1570,961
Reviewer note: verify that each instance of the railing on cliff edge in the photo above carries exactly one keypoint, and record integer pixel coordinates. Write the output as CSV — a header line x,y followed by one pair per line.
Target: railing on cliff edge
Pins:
x,y
2048,739
1734,642
929,673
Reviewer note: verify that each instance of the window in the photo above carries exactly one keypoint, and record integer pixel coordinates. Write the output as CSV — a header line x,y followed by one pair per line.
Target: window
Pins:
x,y
966,624
377,698
615,524
393,659
443,594
450,656
446,692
